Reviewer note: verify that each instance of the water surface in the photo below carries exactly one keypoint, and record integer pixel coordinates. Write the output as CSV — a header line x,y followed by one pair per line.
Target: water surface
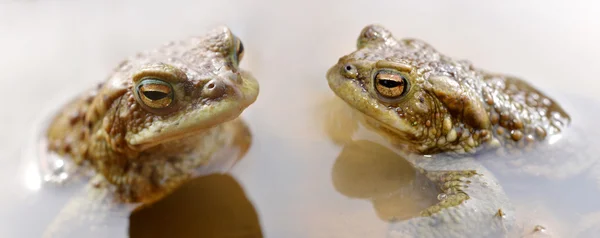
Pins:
x,y
301,176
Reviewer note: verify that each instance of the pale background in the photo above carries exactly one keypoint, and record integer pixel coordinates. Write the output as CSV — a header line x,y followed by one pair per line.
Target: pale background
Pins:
x,y
50,50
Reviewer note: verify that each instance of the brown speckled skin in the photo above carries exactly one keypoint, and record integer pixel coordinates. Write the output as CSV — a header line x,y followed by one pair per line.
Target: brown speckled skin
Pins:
x,y
145,152
451,106
439,112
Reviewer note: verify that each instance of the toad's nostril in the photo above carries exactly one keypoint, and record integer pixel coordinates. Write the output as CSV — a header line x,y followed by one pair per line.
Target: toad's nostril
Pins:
x,y
349,71
213,89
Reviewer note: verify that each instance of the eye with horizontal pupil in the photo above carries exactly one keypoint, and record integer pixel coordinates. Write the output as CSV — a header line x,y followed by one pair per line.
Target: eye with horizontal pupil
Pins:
x,y
390,85
155,93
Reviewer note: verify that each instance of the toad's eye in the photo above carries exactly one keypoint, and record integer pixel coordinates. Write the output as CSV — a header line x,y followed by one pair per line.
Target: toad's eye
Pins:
x,y
391,84
154,93
239,50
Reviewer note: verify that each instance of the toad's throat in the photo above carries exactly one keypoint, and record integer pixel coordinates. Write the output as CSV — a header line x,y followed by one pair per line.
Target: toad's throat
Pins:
x,y
195,122
401,139
173,136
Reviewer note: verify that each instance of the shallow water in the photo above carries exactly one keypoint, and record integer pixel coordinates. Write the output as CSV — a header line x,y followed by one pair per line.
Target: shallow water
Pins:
x,y
300,178
555,188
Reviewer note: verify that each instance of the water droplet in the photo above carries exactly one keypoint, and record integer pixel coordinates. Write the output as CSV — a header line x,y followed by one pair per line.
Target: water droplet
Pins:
x,y
54,168
442,196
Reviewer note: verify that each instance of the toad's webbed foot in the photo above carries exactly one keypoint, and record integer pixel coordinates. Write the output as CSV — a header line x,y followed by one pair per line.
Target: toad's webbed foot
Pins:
x,y
472,203
451,183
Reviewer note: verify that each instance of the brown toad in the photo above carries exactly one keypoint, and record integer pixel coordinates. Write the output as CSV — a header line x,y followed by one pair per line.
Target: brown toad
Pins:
x,y
434,103
161,118
154,120
439,112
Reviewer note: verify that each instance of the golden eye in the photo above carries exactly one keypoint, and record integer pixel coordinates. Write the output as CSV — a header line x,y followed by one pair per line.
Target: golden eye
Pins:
x,y
155,93
350,71
390,84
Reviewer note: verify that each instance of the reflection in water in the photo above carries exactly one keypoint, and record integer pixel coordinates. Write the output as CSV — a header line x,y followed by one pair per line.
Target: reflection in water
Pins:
x,y
339,124
368,170
96,210
474,218
210,206
551,187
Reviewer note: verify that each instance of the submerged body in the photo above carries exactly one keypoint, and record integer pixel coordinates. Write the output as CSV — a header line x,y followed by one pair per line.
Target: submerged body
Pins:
x,y
440,112
159,117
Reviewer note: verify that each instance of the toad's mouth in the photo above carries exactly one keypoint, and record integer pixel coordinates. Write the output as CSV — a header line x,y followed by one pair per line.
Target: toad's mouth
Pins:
x,y
189,123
